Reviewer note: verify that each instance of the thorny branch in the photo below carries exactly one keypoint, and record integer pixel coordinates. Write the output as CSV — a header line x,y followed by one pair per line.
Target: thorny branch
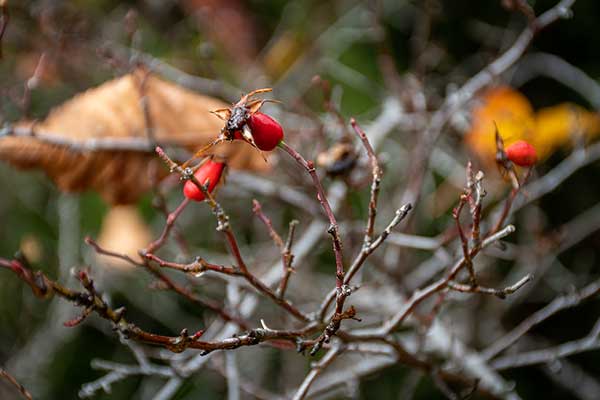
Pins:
x,y
42,286
170,283
422,294
342,292
225,227
333,228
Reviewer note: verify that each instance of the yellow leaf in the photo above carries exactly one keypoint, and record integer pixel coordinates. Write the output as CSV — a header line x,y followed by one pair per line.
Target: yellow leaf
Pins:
x,y
547,130
561,125
509,110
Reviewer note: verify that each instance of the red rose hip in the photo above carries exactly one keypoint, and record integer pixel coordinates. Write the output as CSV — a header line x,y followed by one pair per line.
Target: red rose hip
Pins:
x,y
266,132
209,171
521,153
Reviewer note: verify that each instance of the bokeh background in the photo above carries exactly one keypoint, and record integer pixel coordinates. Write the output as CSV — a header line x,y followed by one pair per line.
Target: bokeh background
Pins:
x,y
356,46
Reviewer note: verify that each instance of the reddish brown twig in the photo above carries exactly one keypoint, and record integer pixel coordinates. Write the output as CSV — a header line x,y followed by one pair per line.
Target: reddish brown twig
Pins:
x,y
508,205
463,238
369,246
288,259
257,209
160,204
473,195
333,228
358,262
198,266
375,183
92,300
422,294
285,248
210,304
500,293
170,222
224,226
15,383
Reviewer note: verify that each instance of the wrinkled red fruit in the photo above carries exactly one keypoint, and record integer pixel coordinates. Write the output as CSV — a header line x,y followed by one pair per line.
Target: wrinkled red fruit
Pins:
x,y
521,153
209,171
266,132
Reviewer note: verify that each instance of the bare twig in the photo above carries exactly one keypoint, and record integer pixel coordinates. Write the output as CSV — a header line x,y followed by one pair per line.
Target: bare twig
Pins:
x,y
364,253
117,373
257,208
171,218
501,293
552,66
375,183
172,285
145,106
225,227
333,228
463,239
420,295
558,304
42,286
137,144
288,259
317,368
588,343
343,291
4,374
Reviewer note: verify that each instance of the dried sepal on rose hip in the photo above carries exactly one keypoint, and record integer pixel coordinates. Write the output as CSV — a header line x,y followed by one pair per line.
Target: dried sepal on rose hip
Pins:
x,y
243,121
212,172
521,153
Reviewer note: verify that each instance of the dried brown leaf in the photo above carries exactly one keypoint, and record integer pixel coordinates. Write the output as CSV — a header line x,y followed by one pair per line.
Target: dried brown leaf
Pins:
x,y
125,232
113,111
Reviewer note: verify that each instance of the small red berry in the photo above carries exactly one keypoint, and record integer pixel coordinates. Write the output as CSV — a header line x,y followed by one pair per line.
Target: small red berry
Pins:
x,y
266,132
521,153
209,171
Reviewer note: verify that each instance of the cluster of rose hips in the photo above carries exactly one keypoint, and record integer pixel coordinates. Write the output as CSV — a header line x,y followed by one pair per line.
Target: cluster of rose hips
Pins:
x,y
244,122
